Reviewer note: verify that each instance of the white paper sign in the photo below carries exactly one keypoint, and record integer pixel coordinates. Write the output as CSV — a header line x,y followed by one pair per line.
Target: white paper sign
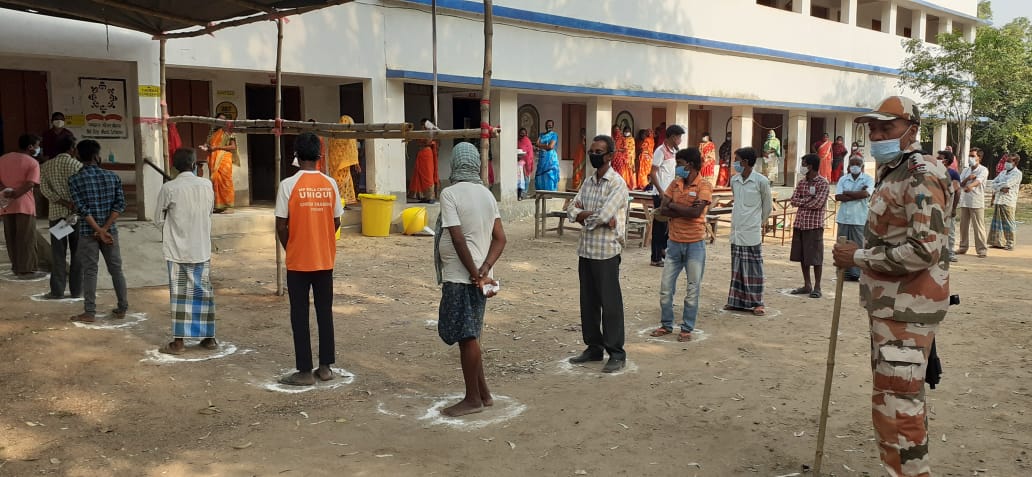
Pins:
x,y
61,230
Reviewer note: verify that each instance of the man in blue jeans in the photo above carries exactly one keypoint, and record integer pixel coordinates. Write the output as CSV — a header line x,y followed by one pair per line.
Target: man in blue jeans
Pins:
x,y
685,201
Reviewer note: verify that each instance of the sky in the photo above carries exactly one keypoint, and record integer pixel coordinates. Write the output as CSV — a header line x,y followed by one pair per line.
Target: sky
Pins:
x,y
1006,10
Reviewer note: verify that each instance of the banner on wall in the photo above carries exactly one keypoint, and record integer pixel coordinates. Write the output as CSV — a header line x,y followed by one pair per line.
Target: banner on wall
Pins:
x,y
104,108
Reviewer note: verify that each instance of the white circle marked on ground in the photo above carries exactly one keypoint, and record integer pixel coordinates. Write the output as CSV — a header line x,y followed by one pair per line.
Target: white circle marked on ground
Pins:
x,y
505,408
67,299
343,378
191,354
566,367
9,276
104,322
697,335
748,314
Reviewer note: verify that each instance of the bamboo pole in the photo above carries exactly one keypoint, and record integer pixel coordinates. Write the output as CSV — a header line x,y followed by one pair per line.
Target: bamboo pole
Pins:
x,y
433,30
829,374
164,104
485,95
278,143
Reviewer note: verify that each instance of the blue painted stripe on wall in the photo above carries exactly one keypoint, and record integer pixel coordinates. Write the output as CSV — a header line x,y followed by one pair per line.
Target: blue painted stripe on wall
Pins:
x,y
585,90
610,29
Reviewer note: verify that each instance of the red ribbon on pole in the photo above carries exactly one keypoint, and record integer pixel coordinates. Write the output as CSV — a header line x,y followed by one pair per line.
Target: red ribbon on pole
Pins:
x,y
278,130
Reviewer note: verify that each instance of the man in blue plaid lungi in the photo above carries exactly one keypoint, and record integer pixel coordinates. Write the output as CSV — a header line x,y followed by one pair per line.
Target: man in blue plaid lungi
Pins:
x,y
183,214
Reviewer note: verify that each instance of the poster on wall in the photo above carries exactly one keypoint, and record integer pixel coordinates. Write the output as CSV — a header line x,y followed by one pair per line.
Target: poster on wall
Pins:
x,y
104,108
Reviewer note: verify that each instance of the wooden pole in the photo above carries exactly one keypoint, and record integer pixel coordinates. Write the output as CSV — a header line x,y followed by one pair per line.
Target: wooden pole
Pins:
x,y
164,104
485,96
433,30
830,372
278,145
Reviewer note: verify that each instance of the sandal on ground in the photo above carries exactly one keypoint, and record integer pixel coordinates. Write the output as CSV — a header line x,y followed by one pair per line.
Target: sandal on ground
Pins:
x,y
118,314
801,291
661,331
730,308
84,318
168,348
209,344
656,264
684,336
759,311
815,294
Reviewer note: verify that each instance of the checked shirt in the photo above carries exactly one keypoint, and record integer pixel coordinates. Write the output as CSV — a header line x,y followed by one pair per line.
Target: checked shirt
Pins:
x,y
96,193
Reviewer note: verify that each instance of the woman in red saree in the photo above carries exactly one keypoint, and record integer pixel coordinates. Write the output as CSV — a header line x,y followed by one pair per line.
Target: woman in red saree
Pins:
x,y
645,148
838,158
824,151
620,163
709,159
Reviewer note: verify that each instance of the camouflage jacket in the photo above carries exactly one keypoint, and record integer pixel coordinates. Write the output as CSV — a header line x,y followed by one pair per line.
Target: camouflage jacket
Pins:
x,y
906,263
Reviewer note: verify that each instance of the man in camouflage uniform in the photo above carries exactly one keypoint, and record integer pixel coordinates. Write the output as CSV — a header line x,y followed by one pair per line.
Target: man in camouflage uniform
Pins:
x,y
905,280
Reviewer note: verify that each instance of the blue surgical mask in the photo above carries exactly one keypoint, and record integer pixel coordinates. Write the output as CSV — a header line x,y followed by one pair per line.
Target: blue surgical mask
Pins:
x,y
855,170
886,151
738,167
1008,166
682,172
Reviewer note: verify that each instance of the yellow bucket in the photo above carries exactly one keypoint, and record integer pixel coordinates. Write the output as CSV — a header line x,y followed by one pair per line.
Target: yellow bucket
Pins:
x,y
413,220
377,212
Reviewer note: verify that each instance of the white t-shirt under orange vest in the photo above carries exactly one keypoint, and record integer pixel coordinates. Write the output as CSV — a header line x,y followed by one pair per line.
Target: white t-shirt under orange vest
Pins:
x,y
310,201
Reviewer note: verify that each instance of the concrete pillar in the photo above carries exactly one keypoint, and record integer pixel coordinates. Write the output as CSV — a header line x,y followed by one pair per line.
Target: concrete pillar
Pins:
x,y
801,6
741,127
849,11
965,144
947,26
680,114
148,133
385,158
889,17
503,113
919,27
939,139
600,121
969,32
844,128
795,144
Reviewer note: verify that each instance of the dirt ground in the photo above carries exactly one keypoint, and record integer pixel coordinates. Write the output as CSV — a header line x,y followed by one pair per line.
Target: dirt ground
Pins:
x,y
741,400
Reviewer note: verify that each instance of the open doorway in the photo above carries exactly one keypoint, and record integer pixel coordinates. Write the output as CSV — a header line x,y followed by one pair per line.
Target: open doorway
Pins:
x,y
352,103
261,148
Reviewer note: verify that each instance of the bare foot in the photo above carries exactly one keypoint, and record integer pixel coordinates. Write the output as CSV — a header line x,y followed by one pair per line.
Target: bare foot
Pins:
x,y
300,378
324,373
462,408
487,400
174,347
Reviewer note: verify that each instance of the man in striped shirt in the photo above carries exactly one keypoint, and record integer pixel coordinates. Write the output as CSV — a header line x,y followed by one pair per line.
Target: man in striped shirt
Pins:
x,y
601,208
54,175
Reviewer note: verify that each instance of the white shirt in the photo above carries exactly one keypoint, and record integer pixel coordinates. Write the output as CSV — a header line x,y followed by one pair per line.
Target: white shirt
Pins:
x,y
753,203
664,159
473,208
976,198
1007,179
183,214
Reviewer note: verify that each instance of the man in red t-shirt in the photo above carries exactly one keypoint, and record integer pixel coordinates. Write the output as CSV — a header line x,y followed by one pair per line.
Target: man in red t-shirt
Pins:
x,y
308,214
19,173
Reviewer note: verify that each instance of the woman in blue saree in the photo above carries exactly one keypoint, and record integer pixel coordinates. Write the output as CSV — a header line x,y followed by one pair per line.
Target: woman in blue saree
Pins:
x,y
548,160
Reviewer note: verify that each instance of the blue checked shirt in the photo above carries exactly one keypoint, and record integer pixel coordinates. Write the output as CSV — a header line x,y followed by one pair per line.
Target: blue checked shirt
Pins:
x,y
96,193
606,198
854,212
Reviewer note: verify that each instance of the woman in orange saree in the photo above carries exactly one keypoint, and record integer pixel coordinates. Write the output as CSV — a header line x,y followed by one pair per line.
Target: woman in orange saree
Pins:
x,y
578,161
824,151
619,163
709,159
632,169
222,155
342,157
645,148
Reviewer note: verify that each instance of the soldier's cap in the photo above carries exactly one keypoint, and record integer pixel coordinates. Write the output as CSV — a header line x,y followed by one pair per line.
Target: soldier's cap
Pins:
x,y
893,107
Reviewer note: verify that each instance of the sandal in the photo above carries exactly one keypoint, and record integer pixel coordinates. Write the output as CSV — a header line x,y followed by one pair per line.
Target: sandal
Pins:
x,y
656,264
661,331
815,294
118,314
684,336
209,344
759,311
167,348
801,291
84,318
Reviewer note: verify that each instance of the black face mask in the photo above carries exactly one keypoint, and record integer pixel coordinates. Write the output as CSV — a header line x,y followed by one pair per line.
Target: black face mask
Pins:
x,y
597,160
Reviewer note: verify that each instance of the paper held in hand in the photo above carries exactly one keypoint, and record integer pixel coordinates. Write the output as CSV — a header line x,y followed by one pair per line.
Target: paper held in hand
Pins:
x,y
61,229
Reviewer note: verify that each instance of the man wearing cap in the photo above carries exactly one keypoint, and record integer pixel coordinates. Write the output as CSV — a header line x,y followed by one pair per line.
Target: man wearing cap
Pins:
x,y
905,281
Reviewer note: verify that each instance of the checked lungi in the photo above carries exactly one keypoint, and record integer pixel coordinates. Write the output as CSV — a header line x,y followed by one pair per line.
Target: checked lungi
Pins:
x,y
1001,229
193,300
746,290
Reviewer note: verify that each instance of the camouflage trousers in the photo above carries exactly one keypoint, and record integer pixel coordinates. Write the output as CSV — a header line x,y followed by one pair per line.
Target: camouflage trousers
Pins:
x,y
899,357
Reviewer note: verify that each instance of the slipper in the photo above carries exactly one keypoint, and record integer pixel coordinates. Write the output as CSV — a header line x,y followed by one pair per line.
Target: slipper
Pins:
x,y
118,314
684,336
298,379
660,332
209,344
84,318
800,291
168,349
656,264
759,311
815,294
